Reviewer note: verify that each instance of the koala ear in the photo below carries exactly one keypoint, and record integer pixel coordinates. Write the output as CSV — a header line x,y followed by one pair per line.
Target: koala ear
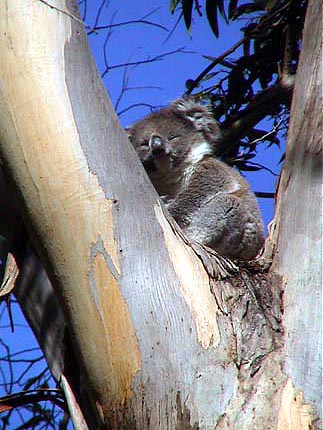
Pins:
x,y
128,131
199,115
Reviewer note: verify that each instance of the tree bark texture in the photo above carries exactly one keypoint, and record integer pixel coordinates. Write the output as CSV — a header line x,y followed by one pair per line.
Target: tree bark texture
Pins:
x,y
297,233
158,342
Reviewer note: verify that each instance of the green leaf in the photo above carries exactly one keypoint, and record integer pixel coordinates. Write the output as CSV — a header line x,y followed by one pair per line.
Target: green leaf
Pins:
x,y
187,6
173,5
247,8
211,7
221,10
232,8
30,382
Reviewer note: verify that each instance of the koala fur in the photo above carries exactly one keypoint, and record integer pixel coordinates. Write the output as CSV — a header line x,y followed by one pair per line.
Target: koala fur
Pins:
x,y
210,200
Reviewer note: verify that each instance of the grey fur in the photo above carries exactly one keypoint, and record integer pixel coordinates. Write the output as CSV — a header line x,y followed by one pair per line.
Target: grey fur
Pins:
x,y
210,201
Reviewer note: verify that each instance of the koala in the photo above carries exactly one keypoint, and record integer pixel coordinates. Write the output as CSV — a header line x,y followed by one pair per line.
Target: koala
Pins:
x,y
210,201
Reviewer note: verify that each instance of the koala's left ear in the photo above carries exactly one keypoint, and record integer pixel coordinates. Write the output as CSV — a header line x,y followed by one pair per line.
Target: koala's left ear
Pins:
x,y
128,131
199,115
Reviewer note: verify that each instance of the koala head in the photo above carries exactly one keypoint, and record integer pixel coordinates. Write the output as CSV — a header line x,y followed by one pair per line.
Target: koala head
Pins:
x,y
183,132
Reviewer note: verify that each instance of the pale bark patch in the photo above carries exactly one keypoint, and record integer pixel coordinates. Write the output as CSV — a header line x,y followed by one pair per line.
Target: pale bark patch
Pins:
x,y
125,358
294,414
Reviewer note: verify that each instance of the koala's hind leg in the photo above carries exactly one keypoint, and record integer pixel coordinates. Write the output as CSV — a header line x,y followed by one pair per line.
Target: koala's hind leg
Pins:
x,y
224,224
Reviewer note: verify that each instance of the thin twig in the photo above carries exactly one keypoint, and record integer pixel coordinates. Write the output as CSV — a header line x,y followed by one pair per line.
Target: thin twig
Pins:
x,y
264,195
147,60
264,137
252,163
65,12
119,24
135,105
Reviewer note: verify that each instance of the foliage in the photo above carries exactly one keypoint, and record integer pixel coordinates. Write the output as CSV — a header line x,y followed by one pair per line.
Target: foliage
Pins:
x,y
28,399
259,82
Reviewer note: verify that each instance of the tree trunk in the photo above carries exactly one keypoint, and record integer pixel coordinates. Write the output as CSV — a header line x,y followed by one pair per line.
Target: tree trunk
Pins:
x,y
297,237
159,341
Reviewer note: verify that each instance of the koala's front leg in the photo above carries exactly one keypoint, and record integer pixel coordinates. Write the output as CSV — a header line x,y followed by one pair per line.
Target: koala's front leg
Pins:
x,y
166,200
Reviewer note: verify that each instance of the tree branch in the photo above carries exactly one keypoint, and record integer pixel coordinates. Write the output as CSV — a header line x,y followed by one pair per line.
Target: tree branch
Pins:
x,y
262,105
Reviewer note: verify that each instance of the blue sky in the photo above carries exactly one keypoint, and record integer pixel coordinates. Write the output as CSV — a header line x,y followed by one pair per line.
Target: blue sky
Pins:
x,y
135,42
153,84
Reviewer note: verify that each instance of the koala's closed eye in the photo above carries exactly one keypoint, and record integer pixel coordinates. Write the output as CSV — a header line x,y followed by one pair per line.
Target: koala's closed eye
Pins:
x,y
173,136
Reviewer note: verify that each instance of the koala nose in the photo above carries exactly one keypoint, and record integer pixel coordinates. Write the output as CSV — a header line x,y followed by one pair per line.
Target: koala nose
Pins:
x,y
156,144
